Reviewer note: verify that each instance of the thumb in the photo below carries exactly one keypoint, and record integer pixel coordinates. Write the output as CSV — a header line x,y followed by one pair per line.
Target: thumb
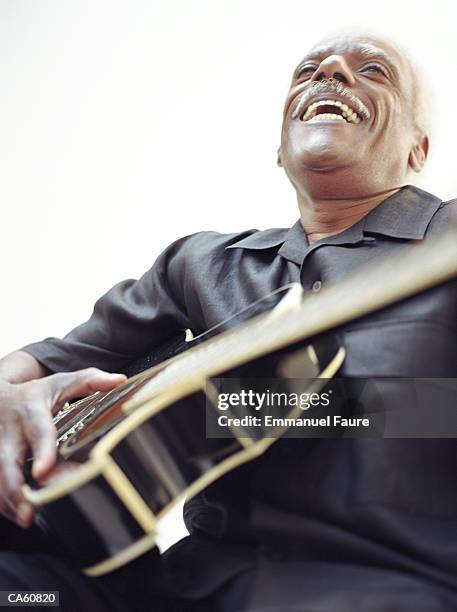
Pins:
x,y
69,385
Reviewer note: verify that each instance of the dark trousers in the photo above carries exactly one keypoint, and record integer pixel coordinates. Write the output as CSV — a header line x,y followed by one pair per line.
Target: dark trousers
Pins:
x,y
31,561
215,576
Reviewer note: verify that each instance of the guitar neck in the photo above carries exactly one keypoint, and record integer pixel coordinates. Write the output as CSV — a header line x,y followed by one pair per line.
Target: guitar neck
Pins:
x,y
412,270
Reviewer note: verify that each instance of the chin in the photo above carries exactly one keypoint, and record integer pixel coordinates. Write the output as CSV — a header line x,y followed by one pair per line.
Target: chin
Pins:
x,y
326,173
322,154
327,159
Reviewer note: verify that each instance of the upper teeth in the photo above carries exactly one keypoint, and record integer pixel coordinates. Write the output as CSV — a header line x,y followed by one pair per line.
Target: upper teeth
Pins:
x,y
347,113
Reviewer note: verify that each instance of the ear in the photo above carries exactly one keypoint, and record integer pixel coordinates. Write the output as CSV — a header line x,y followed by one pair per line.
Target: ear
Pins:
x,y
418,154
279,160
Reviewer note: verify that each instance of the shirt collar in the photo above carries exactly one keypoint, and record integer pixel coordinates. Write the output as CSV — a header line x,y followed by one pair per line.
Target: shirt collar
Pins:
x,y
404,215
263,239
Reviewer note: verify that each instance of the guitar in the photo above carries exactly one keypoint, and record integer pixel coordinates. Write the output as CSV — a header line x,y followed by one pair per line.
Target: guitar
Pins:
x,y
131,454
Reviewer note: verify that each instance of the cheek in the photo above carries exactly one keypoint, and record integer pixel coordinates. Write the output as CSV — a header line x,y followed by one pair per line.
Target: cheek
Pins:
x,y
389,116
289,136
291,98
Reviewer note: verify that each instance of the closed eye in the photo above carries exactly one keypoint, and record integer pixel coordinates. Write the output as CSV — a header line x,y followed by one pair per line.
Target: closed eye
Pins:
x,y
305,71
375,68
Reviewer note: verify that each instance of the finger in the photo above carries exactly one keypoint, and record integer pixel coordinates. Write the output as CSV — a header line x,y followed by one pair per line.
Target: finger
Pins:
x,y
41,435
66,386
11,480
13,504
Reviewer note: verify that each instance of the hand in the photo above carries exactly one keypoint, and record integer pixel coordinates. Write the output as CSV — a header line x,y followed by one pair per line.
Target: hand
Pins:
x,y
26,411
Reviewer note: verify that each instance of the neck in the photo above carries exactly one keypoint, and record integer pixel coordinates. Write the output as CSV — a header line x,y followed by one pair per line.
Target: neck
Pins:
x,y
328,216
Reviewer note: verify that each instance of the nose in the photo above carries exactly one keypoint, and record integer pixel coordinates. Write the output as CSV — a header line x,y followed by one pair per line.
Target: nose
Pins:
x,y
334,67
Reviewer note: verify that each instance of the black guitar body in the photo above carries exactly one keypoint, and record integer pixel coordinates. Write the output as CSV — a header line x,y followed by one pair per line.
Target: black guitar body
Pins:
x,y
160,459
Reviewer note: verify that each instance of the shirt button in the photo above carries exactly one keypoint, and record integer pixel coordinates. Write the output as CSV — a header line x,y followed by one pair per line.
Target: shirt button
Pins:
x,y
317,286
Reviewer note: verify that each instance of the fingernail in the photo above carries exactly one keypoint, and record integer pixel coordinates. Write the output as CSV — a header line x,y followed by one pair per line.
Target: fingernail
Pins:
x,y
37,468
24,514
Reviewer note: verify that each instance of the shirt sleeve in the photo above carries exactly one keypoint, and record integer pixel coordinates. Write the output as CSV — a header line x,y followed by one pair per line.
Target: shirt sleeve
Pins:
x,y
130,319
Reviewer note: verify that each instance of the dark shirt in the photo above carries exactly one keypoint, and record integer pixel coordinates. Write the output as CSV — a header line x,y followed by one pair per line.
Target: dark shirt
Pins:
x,y
202,279
384,503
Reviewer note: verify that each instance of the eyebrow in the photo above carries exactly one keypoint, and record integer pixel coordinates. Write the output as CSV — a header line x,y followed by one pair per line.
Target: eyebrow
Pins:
x,y
372,52
368,51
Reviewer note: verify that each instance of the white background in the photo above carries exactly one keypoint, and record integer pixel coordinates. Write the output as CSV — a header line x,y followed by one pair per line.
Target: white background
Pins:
x,y
124,125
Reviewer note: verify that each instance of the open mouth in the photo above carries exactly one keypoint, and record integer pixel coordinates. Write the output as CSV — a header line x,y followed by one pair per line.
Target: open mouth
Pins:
x,y
330,110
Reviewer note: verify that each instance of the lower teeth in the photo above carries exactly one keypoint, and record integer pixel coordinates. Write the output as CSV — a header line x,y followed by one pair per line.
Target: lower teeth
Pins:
x,y
330,116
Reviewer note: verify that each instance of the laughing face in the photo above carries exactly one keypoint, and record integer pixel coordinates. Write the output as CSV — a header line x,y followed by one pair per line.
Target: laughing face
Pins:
x,y
350,114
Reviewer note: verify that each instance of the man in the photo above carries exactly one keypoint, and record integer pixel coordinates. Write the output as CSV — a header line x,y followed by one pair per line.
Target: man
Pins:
x,y
328,525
